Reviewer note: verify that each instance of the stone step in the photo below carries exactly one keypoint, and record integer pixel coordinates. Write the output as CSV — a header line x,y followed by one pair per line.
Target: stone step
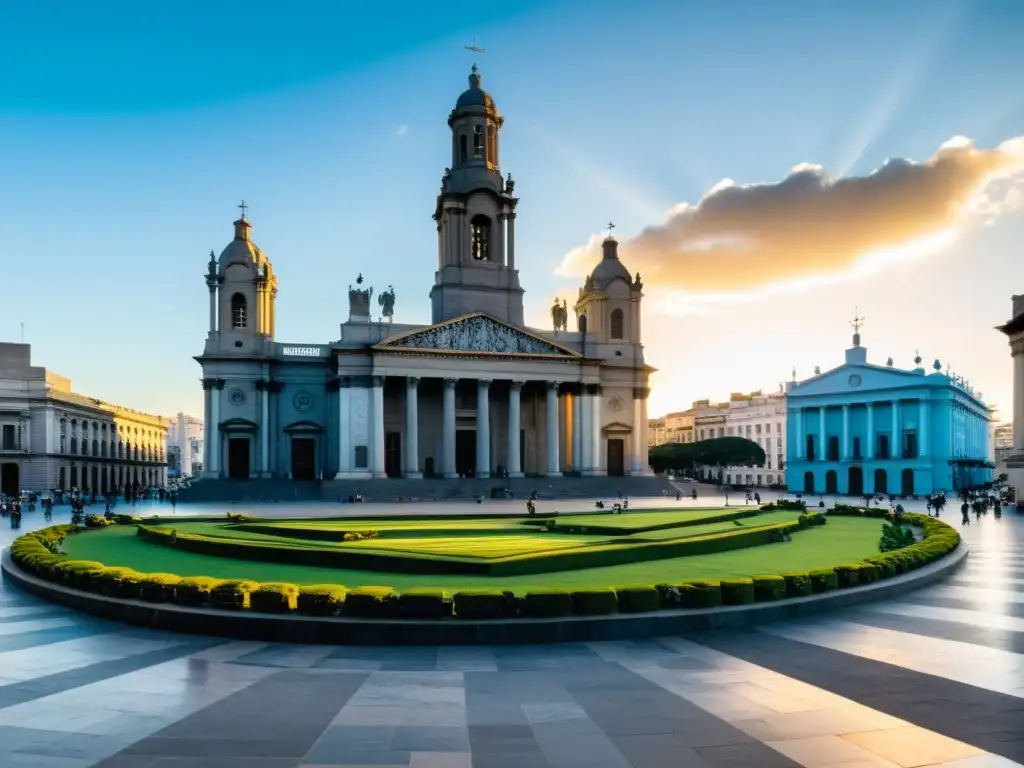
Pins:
x,y
427,489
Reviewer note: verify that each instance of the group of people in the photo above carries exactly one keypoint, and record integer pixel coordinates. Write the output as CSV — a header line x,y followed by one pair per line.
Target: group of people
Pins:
x,y
78,500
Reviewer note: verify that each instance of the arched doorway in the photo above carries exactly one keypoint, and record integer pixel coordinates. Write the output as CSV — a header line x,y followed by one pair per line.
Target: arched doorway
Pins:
x,y
881,481
907,482
808,482
855,481
10,480
831,482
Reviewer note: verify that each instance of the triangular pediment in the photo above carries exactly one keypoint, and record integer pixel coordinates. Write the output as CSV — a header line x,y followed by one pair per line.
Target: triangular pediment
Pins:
x,y
476,334
851,378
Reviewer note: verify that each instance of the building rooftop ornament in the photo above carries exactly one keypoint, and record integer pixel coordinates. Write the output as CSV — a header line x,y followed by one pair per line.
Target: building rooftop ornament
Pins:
x,y
917,358
817,370
794,373
889,362
611,226
510,185
359,301
387,303
857,324
560,315
937,366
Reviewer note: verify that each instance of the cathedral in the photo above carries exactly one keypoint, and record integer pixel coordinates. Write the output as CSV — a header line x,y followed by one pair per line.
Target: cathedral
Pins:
x,y
474,394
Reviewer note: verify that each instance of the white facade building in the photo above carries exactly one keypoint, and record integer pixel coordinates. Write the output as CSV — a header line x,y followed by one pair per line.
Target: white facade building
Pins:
x,y
473,394
761,419
186,432
53,438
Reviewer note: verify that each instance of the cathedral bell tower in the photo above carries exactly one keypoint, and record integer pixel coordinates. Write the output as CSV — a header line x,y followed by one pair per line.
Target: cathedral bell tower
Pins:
x,y
475,217
243,290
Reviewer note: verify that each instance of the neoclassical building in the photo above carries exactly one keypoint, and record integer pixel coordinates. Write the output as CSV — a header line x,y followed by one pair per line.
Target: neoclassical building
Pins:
x,y
863,428
54,438
475,393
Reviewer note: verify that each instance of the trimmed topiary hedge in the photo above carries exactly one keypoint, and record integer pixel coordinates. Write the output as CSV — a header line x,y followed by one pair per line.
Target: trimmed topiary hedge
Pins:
x,y
39,553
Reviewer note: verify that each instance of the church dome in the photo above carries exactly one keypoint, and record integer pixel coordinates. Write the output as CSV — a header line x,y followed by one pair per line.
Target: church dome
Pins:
x,y
610,268
243,248
475,96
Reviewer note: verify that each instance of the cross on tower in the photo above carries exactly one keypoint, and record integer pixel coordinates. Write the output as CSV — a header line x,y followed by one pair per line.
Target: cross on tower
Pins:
x,y
611,226
243,208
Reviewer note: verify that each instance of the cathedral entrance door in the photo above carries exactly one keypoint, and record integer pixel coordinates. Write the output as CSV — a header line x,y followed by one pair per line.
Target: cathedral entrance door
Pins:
x,y
238,458
9,480
393,454
616,457
465,452
303,458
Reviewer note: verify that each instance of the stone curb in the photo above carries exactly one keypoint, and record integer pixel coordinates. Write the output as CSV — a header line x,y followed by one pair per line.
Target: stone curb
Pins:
x,y
297,628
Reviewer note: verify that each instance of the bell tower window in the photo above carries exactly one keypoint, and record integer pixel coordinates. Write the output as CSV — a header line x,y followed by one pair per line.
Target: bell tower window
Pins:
x,y
492,146
480,243
616,324
239,314
478,141
462,148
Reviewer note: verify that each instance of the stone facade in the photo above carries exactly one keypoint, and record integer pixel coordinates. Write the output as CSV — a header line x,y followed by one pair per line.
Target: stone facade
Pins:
x,y
476,393
53,438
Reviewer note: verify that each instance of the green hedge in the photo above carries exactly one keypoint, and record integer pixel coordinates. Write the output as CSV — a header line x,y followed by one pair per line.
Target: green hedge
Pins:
x,y
39,553
593,556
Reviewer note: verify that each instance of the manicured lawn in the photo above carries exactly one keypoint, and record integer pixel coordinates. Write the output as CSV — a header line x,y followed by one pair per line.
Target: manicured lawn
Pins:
x,y
842,540
473,546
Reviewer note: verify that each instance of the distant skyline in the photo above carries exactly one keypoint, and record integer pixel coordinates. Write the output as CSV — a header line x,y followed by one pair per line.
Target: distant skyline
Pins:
x,y
769,167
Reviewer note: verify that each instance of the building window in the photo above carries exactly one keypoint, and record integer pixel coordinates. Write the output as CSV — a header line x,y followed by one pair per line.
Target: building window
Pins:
x,y
910,444
856,449
9,437
778,428
462,148
238,311
616,324
95,447
810,448
767,444
833,448
758,479
883,446
480,243
492,146
757,429
748,431
478,141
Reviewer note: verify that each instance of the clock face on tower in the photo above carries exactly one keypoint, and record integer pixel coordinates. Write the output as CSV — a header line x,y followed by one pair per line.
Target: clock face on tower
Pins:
x,y
854,380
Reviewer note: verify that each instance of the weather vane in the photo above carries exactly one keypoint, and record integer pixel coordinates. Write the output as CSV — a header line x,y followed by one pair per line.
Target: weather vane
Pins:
x,y
858,321
474,48
244,208
611,226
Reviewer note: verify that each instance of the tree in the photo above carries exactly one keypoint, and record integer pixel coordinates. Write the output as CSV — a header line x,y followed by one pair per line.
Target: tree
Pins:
x,y
717,452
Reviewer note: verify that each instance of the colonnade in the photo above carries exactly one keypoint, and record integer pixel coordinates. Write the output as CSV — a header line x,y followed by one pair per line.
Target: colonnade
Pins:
x,y
875,427
579,433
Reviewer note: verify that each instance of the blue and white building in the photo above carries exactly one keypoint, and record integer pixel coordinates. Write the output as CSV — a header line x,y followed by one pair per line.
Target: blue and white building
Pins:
x,y
862,428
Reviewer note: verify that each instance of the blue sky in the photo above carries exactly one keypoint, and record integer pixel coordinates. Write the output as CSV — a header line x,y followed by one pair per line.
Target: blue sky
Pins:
x,y
130,131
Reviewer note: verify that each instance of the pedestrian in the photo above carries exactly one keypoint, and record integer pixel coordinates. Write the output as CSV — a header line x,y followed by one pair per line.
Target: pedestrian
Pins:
x,y
965,514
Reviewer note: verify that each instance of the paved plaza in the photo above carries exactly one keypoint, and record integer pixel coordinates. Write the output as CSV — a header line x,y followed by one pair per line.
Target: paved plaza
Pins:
x,y
933,679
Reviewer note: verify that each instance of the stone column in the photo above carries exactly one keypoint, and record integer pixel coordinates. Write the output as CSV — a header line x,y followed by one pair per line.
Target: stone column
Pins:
x,y
448,430
515,391
924,415
553,464
1017,351
265,431
214,426
595,430
822,437
345,457
377,428
637,461
800,435
896,447
869,452
483,428
412,428
577,429
499,241
844,445
511,242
